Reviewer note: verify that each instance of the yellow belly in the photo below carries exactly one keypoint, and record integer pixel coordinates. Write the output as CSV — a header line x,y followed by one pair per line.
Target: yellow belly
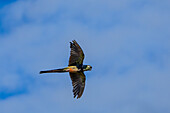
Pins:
x,y
73,69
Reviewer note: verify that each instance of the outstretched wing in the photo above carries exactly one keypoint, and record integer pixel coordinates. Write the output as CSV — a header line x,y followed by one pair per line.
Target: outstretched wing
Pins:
x,y
76,54
78,82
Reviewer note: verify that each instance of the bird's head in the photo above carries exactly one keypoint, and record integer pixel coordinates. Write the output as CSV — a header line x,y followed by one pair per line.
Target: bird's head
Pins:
x,y
87,68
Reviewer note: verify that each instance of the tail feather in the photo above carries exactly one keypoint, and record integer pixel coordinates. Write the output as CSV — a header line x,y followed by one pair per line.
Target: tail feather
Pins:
x,y
54,71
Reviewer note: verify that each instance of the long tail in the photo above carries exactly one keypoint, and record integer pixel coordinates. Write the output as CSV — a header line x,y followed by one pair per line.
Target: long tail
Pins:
x,y
54,71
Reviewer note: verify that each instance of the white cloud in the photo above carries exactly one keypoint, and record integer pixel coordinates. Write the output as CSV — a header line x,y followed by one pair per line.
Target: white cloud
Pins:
x,y
127,46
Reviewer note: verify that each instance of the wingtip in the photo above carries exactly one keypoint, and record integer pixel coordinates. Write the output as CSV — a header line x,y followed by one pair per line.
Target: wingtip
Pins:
x,y
74,41
78,96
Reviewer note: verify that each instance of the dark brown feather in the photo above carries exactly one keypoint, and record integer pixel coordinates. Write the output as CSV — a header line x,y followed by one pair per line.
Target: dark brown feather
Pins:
x,y
78,83
54,71
76,54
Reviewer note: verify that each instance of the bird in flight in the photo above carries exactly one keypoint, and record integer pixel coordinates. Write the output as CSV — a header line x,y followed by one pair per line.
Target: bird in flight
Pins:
x,y
75,68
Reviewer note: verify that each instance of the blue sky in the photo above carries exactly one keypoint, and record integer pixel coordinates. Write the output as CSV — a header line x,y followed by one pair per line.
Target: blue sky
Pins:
x,y
127,42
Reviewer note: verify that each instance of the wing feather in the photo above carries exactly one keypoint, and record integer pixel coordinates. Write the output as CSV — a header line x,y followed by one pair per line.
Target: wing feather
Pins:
x,y
76,54
78,83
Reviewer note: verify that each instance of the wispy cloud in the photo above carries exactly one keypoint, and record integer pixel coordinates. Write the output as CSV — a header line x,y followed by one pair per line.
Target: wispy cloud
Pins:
x,y
126,42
